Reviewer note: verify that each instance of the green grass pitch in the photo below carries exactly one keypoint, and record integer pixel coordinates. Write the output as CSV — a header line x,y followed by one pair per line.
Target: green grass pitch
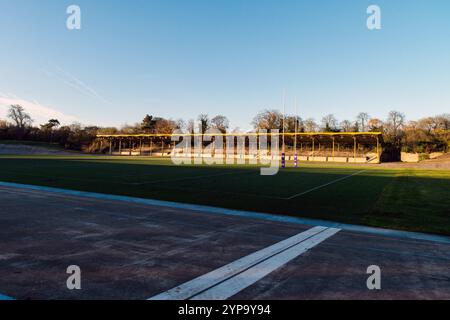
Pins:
x,y
406,199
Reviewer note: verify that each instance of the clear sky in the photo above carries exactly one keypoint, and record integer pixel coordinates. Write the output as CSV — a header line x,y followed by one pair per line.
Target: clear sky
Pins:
x,y
180,58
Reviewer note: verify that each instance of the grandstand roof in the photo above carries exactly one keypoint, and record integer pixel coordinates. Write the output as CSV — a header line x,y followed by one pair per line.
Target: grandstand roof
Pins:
x,y
345,137
299,134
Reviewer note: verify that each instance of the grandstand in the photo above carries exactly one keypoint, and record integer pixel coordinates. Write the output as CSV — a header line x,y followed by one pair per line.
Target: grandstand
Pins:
x,y
343,147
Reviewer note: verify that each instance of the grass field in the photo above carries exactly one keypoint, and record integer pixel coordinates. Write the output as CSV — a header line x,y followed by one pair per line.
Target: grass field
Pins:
x,y
32,144
407,199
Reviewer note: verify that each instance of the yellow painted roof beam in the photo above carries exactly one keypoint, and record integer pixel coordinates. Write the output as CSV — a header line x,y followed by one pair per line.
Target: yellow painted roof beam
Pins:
x,y
149,135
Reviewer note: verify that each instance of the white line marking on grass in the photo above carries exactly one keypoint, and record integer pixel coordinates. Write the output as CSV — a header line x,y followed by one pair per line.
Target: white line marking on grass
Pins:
x,y
250,276
323,185
206,281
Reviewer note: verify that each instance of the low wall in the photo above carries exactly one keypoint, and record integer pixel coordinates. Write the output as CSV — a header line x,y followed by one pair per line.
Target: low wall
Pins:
x,y
357,160
410,157
405,157
317,159
338,159
435,155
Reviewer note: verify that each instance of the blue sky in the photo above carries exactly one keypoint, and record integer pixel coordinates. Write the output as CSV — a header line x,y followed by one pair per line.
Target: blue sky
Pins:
x,y
180,58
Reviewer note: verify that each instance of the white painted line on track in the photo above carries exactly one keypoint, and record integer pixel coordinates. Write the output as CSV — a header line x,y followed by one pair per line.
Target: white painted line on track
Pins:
x,y
234,285
206,281
323,185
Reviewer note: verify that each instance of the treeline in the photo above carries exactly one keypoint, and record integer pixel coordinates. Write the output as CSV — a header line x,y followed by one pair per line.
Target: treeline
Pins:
x,y
425,135
422,136
20,127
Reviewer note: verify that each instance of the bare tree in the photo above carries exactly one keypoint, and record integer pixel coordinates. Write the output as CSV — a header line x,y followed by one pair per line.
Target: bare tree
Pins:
x,y
108,130
180,124
268,119
395,122
443,121
204,122
426,124
220,123
125,128
190,126
20,117
375,124
294,123
329,123
363,118
347,126
310,125
164,126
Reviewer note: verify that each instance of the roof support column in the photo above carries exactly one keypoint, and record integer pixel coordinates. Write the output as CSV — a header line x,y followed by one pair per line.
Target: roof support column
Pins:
x,y
378,149
332,153
151,147
295,143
